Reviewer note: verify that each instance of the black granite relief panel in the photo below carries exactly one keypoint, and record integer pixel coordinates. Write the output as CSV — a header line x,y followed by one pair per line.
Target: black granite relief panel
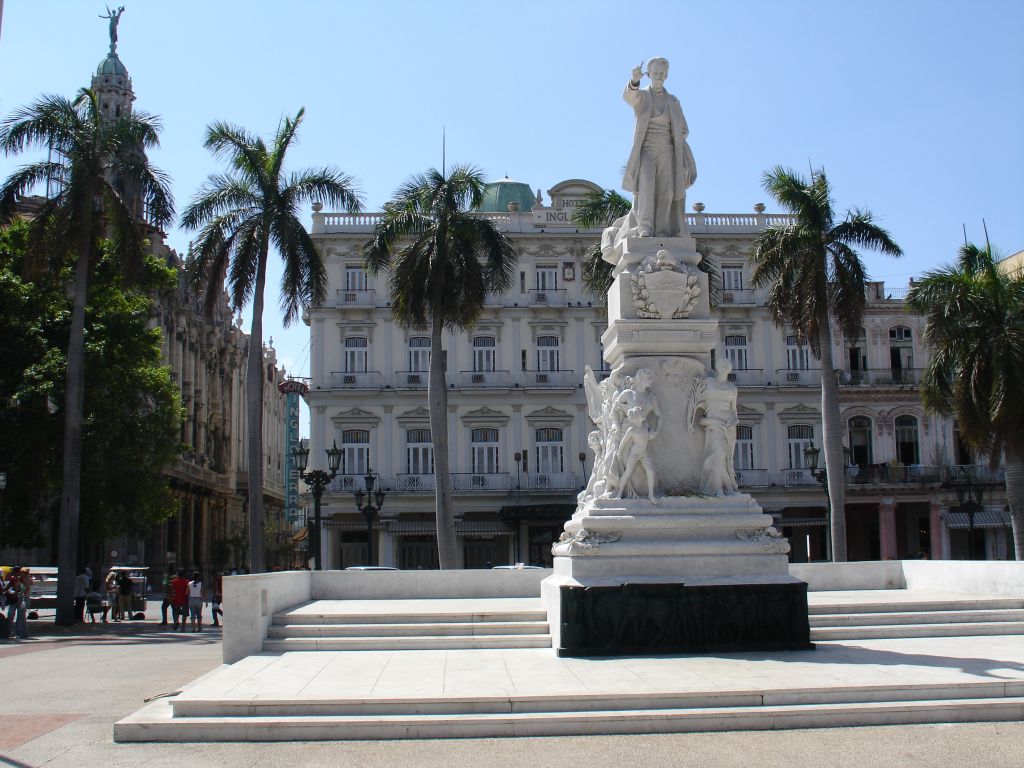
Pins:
x,y
639,619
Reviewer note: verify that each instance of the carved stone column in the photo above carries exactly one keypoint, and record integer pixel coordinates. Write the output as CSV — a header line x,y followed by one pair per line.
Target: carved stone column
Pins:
x,y
887,528
935,528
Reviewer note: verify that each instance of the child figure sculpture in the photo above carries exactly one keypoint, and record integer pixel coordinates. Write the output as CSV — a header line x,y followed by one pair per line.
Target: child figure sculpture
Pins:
x,y
633,450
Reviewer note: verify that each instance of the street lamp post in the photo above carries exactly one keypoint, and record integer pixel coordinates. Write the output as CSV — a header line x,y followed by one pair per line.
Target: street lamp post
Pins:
x,y
970,497
811,456
317,481
369,510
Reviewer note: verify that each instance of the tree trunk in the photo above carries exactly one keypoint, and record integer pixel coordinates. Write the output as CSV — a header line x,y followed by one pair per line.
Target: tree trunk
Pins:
x,y
71,486
1015,494
254,419
832,443
437,395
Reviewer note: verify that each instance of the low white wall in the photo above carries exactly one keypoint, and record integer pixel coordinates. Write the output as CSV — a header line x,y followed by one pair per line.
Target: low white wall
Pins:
x,y
391,585
249,606
990,577
828,577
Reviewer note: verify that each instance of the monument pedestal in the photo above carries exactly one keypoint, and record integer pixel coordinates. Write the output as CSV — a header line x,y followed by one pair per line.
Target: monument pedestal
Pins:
x,y
684,574
663,555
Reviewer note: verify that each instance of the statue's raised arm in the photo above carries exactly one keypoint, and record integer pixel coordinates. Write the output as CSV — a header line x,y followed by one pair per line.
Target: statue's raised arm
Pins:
x,y
115,17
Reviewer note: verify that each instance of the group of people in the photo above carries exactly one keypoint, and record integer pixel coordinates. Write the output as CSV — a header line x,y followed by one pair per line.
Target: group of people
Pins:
x,y
15,591
627,417
112,598
185,597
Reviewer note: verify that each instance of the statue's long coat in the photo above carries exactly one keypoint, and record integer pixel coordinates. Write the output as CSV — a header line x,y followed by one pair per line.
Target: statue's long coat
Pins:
x,y
684,166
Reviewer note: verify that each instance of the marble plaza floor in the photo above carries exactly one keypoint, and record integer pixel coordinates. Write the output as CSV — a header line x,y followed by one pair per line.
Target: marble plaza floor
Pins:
x,y
531,691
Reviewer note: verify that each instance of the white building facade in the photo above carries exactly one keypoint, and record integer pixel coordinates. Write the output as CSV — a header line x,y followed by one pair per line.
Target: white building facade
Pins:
x,y
518,420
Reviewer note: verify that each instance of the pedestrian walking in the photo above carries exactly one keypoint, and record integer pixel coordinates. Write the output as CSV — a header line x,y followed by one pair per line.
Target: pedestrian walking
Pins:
x,y
179,599
217,598
166,602
19,590
81,590
110,587
195,602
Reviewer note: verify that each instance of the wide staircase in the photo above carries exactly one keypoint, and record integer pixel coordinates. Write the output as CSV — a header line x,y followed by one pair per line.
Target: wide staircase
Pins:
x,y
898,613
395,625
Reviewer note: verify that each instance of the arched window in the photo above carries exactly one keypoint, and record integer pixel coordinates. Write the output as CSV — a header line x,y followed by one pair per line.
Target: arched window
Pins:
x,y
355,354
743,455
355,452
483,353
907,448
549,450
736,352
799,436
419,353
860,441
485,450
547,353
419,452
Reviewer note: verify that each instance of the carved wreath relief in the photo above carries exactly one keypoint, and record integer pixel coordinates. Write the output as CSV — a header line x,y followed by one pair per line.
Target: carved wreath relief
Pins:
x,y
583,542
663,288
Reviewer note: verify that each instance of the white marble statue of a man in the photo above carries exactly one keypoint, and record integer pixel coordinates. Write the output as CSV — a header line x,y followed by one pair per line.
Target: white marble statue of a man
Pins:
x,y
660,167
717,399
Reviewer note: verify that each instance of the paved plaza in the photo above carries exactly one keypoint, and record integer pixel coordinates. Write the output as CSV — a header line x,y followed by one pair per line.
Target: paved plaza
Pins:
x,y
62,693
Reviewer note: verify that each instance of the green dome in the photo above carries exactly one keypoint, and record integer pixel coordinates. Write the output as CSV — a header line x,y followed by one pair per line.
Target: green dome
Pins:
x,y
112,67
498,194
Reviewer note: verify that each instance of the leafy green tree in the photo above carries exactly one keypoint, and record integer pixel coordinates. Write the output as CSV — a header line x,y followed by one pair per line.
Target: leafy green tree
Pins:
x,y
601,209
974,325
131,409
815,277
443,261
240,215
98,160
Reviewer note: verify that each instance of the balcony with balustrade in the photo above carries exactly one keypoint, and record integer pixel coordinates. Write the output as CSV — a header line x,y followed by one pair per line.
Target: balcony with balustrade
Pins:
x,y
548,297
358,380
882,377
797,377
527,221
551,481
412,483
738,297
481,482
411,379
362,298
550,379
752,478
346,484
485,380
747,377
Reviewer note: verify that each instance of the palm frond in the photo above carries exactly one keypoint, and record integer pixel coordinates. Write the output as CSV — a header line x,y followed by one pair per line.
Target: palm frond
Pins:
x,y
600,209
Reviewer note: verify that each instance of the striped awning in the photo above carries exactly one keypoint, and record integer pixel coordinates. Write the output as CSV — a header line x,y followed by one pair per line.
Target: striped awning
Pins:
x,y
986,518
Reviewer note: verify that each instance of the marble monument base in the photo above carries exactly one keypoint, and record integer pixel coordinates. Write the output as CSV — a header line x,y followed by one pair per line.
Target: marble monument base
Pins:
x,y
679,575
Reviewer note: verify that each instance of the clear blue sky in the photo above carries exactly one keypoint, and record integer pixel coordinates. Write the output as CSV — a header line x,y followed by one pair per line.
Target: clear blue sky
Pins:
x,y
914,108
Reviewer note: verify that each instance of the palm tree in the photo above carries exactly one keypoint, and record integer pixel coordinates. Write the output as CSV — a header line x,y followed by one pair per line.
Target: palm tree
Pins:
x,y
974,324
443,261
601,209
240,214
99,160
815,276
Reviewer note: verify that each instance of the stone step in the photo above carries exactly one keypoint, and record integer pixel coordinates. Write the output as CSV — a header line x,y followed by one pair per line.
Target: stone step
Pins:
x,y
154,723
412,629
424,617
992,603
961,629
187,705
915,617
418,643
